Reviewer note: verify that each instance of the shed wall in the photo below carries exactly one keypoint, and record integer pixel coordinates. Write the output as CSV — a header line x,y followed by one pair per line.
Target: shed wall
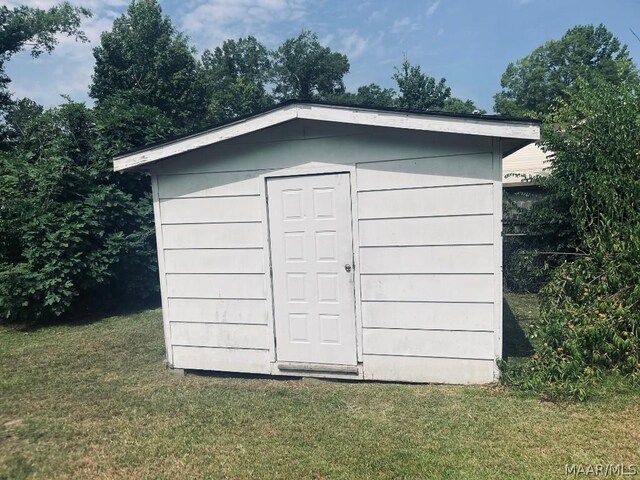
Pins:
x,y
427,248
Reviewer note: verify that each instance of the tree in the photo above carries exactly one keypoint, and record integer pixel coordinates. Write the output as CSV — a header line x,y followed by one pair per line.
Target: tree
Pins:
x,y
37,30
72,236
303,69
375,96
418,91
533,83
371,95
590,318
145,61
457,105
18,115
235,76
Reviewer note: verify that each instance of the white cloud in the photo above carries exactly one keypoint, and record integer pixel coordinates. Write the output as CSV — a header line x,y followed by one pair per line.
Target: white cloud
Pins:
x,y
213,21
354,45
405,24
432,9
90,4
68,69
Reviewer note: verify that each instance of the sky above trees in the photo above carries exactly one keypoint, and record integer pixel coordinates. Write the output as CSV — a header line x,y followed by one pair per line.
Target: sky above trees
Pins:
x,y
467,42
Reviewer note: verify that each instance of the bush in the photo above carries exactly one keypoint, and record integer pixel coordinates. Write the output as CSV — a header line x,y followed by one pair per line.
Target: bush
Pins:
x,y
590,312
71,235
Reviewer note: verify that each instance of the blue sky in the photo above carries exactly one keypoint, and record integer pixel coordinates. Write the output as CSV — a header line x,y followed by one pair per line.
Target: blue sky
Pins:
x,y
469,42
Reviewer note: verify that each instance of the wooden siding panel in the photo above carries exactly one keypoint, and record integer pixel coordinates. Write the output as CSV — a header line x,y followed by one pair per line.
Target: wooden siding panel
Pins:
x,y
430,259
428,315
186,285
428,287
428,343
209,185
211,209
210,310
222,359
220,335
427,370
425,172
426,202
214,261
211,235
463,230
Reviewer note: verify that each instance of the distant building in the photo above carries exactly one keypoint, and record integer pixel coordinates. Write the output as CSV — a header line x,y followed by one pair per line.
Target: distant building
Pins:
x,y
528,161
517,167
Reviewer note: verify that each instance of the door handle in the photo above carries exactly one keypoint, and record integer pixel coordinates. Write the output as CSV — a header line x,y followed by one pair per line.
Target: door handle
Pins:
x,y
347,267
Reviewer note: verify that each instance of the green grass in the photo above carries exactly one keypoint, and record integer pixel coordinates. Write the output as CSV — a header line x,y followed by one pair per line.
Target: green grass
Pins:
x,y
94,401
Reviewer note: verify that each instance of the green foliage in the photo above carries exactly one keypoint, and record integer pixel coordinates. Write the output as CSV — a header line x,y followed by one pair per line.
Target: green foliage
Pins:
x,y
37,30
235,76
533,83
143,60
456,105
371,95
70,234
17,116
591,307
418,91
305,70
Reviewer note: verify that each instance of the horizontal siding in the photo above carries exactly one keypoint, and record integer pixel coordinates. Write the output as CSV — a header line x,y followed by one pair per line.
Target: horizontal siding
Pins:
x,y
428,287
211,209
186,285
214,261
428,343
427,231
213,310
220,335
429,259
427,370
378,144
222,359
425,172
426,202
209,184
428,315
211,235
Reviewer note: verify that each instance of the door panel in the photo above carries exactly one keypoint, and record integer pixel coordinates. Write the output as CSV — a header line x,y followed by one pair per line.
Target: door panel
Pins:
x,y
311,254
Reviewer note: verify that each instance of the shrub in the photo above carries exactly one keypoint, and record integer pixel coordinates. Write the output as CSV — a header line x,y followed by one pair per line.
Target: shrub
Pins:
x,y
71,235
590,311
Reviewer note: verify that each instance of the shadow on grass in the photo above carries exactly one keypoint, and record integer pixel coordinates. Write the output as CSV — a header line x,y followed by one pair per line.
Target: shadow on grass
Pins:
x,y
514,340
90,312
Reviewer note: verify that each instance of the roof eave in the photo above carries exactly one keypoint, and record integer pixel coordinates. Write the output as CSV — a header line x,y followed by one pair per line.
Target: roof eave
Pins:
x,y
515,129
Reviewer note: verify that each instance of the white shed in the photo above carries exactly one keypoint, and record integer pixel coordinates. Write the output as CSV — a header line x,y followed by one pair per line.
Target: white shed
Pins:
x,y
335,241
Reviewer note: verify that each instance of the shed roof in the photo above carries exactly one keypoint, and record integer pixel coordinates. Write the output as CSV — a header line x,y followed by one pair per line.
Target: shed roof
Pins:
x,y
518,132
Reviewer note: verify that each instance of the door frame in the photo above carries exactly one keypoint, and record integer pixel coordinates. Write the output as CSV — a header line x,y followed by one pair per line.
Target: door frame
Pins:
x,y
302,170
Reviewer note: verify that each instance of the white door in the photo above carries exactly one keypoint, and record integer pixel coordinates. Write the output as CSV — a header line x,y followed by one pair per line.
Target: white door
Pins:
x,y
312,260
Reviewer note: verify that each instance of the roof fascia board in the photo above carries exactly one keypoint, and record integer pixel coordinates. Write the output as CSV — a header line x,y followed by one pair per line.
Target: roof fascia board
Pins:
x,y
412,121
352,115
226,132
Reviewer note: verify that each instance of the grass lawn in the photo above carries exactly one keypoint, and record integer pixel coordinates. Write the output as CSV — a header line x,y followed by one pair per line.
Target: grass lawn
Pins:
x,y
94,401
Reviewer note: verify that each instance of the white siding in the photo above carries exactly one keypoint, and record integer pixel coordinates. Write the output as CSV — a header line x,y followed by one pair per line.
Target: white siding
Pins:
x,y
213,258
426,202
428,369
222,359
403,232
427,269
216,310
425,226
427,259
220,335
